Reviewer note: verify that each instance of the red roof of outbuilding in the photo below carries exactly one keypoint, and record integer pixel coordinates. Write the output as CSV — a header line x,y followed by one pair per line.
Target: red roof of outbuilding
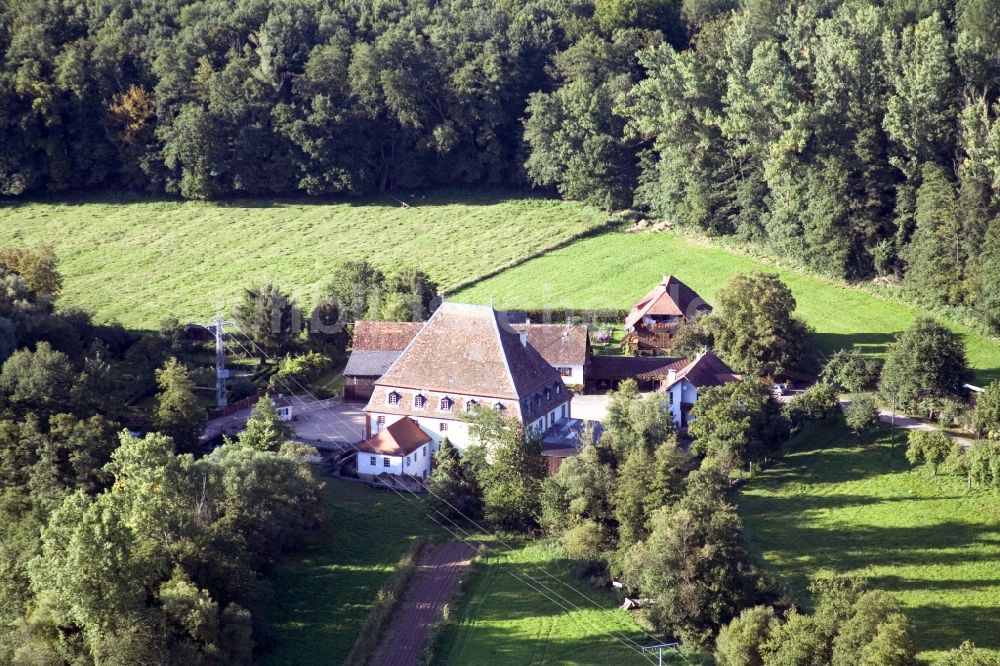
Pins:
x,y
384,335
400,438
707,369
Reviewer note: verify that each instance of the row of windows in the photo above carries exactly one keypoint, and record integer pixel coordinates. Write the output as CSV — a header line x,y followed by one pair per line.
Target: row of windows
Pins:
x,y
538,397
420,402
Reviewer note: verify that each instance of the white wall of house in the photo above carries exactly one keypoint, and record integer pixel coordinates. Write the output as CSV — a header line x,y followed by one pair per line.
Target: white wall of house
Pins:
x,y
552,417
417,463
375,463
575,375
457,431
680,392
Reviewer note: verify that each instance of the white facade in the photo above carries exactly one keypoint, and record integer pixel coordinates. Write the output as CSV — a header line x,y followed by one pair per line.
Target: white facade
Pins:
x,y
678,394
574,376
416,464
455,430
439,426
551,418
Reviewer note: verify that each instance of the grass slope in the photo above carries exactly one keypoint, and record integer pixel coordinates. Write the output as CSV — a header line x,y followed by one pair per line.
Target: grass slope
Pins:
x,y
501,620
614,270
837,505
138,260
324,592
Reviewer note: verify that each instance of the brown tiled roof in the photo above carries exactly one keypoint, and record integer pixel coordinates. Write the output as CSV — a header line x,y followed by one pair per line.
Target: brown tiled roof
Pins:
x,y
468,349
646,367
669,297
707,369
384,335
559,344
400,438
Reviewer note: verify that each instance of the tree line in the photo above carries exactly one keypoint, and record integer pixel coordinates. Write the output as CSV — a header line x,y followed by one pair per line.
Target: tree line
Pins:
x,y
117,547
859,137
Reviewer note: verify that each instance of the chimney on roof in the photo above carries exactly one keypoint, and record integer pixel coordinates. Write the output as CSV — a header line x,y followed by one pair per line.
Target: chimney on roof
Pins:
x,y
671,376
524,338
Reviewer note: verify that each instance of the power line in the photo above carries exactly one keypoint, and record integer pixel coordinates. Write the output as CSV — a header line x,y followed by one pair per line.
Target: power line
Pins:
x,y
620,637
631,644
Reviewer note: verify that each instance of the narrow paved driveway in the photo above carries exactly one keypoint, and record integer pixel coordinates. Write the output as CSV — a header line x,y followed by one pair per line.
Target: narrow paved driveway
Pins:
x,y
909,423
591,406
439,569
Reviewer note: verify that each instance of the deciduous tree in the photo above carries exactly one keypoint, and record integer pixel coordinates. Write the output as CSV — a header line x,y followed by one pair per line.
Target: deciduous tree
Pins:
x,y
926,361
755,329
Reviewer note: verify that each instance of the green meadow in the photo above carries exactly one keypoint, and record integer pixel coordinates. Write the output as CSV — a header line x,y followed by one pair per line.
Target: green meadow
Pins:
x,y
138,261
835,504
526,605
324,591
614,270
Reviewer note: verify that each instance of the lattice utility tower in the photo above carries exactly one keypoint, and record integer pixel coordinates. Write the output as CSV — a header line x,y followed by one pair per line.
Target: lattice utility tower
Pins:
x,y
221,372
660,647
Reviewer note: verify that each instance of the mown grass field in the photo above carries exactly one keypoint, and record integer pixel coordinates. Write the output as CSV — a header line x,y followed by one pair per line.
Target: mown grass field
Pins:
x,y
614,270
324,592
139,261
839,505
499,619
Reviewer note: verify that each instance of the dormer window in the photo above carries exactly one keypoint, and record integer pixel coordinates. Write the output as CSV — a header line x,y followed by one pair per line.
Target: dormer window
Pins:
x,y
393,398
499,407
548,394
471,405
558,389
446,404
538,399
419,401
527,405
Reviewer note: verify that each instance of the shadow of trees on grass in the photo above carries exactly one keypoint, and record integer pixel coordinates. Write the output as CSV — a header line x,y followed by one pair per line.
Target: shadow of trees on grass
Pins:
x,y
837,504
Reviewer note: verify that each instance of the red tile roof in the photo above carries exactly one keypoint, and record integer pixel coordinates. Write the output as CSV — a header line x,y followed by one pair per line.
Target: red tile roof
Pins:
x,y
400,438
670,297
707,369
384,335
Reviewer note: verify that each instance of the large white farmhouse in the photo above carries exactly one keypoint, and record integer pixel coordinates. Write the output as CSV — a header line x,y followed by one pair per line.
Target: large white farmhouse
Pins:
x,y
465,357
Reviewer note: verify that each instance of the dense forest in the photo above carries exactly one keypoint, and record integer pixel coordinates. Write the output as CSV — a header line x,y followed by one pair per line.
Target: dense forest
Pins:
x,y
858,137
115,548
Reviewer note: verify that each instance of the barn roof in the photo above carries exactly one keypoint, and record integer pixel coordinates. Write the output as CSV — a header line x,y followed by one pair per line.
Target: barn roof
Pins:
x,y
384,335
707,370
669,297
644,367
559,344
364,363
